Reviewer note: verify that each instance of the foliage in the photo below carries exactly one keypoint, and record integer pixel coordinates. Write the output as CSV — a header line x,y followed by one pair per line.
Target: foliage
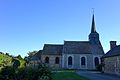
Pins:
x,y
23,63
30,54
7,54
7,73
99,67
7,60
19,57
26,73
16,63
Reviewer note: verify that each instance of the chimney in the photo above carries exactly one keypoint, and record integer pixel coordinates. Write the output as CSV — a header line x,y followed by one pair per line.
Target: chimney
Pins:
x,y
112,44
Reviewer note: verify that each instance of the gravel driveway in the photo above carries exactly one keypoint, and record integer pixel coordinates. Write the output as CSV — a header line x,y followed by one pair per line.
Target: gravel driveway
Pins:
x,y
92,75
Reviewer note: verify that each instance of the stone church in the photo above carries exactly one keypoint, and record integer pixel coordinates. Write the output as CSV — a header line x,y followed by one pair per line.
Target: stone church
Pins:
x,y
73,54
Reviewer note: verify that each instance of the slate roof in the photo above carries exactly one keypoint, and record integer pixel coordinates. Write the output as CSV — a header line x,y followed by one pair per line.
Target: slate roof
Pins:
x,y
97,49
77,47
52,49
113,52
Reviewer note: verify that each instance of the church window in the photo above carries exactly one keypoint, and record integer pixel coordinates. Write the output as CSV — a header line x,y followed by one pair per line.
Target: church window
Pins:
x,y
69,60
96,60
57,60
83,61
47,60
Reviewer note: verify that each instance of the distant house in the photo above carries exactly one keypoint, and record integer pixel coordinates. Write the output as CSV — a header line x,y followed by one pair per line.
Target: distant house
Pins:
x,y
73,54
112,59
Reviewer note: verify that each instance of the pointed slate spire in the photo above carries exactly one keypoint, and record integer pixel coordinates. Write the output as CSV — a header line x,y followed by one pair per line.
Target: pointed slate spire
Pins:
x,y
93,29
93,36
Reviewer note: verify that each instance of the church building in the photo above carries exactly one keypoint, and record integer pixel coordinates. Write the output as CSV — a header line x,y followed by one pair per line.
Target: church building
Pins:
x,y
73,54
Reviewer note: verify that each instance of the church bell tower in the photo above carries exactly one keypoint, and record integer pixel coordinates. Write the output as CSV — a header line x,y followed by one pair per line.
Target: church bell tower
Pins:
x,y
93,36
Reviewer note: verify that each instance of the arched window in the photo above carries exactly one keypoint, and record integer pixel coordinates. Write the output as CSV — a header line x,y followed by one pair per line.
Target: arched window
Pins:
x,y
69,60
83,61
96,61
57,60
47,60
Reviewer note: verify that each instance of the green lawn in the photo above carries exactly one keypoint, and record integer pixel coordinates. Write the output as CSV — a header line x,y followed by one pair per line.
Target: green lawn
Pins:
x,y
70,75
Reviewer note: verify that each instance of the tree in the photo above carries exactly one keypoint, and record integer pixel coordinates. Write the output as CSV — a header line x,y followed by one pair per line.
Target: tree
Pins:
x,y
30,54
19,57
16,63
7,54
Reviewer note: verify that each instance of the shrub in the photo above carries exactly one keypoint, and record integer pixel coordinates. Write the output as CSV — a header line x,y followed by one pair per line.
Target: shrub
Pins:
x,y
7,73
26,73
99,67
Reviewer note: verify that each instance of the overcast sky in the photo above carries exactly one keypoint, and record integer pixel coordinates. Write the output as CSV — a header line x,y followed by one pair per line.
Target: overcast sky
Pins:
x,y
26,25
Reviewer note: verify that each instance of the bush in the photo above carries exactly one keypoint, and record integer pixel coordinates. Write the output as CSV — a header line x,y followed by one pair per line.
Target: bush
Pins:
x,y
7,73
26,73
99,67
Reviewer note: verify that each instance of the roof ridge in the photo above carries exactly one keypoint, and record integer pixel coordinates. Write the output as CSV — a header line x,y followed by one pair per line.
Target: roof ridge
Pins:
x,y
76,42
54,44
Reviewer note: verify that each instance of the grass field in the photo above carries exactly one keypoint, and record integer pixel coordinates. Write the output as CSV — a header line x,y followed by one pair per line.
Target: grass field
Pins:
x,y
67,75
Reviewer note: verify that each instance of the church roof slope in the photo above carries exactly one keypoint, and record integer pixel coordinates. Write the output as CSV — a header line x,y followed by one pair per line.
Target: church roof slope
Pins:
x,y
53,49
77,47
113,52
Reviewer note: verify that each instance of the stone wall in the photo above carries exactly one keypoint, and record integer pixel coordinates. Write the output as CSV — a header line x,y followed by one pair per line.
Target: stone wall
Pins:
x,y
51,60
112,65
90,65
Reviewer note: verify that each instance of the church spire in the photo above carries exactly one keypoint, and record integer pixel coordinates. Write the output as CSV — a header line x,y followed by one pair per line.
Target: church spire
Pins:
x,y
93,29
93,36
